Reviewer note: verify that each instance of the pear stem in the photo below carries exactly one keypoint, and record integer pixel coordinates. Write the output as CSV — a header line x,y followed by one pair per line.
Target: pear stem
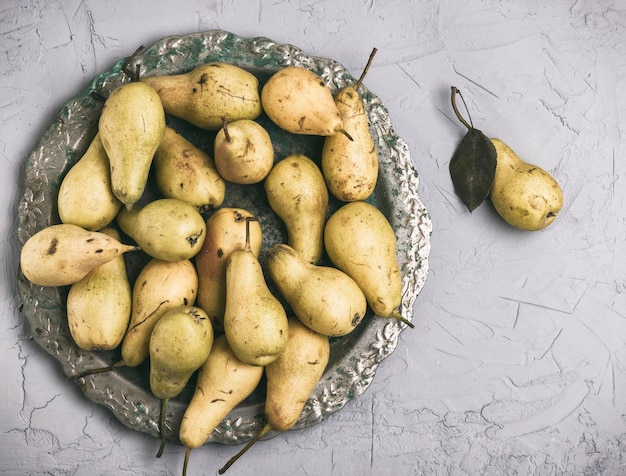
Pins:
x,y
226,133
248,247
100,370
133,75
455,91
256,438
365,70
186,461
164,402
345,133
396,315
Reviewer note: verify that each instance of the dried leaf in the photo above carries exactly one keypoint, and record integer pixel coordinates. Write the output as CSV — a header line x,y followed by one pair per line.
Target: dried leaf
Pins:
x,y
473,167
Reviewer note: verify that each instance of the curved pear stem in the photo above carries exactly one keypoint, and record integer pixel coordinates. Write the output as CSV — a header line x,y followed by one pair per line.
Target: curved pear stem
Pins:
x,y
133,75
365,70
345,133
455,91
164,402
267,428
396,315
186,461
226,134
100,370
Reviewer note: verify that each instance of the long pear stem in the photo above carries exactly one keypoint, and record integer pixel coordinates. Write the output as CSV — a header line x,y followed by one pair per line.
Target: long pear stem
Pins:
x,y
248,220
455,91
396,315
133,75
258,436
186,461
365,70
164,402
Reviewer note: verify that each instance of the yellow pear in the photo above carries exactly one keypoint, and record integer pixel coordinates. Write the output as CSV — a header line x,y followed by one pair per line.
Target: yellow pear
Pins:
x,y
131,128
225,233
525,195
85,196
297,193
290,381
168,229
180,343
243,151
223,382
360,241
159,287
186,172
298,101
209,92
255,322
99,305
63,254
324,298
350,167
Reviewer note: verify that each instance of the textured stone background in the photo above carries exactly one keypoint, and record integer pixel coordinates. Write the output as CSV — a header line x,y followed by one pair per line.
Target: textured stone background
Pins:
x,y
517,364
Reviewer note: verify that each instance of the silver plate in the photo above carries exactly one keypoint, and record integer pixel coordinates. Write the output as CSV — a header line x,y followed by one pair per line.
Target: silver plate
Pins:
x,y
354,358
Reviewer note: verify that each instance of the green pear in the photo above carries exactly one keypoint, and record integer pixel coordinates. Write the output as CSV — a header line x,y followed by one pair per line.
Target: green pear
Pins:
x,y
255,322
131,128
324,298
168,229
225,233
290,381
209,92
360,241
297,193
350,167
243,151
298,101
525,195
85,196
63,254
99,305
223,383
186,172
180,343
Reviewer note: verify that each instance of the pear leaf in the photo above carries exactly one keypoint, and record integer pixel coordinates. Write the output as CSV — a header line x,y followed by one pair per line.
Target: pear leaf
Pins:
x,y
473,168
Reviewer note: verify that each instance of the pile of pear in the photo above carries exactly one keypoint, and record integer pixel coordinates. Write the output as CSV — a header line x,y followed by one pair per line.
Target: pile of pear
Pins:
x,y
203,303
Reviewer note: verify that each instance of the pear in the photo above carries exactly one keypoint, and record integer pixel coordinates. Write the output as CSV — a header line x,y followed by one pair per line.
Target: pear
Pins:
x,y
360,241
85,197
324,298
180,343
63,254
159,287
168,229
225,233
525,195
255,322
297,193
209,92
243,151
223,382
99,305
350,167
298,101
186,172
131,128
290,381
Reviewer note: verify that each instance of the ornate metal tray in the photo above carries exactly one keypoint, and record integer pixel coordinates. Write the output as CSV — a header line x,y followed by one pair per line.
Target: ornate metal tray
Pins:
x,y
354,358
